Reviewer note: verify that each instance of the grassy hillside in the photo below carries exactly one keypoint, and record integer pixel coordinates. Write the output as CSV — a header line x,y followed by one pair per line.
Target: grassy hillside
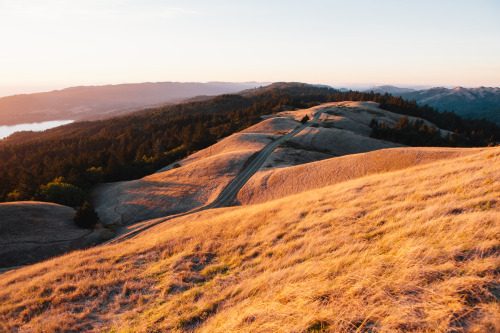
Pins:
x,y
276,183
201,177
33,231
415,249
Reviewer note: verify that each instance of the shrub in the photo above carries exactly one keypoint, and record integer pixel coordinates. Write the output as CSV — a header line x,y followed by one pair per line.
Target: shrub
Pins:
x,y
86,216
16,195
305,119
61,193
94,175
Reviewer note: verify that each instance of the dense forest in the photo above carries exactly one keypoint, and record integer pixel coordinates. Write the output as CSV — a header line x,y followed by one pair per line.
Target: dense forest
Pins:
x,y
416,133
62,164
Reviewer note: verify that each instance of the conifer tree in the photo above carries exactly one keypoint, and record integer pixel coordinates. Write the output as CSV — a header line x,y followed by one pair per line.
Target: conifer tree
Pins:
x,y
86,216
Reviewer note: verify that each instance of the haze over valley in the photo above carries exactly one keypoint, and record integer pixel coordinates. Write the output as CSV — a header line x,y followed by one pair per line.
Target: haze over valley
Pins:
x,y
52,109
98,102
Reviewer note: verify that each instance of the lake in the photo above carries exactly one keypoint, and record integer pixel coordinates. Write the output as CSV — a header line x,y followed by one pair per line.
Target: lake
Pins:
x,y
5,131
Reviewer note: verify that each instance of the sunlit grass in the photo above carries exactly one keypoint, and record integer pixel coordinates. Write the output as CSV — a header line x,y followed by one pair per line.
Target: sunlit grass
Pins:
x,y
415,249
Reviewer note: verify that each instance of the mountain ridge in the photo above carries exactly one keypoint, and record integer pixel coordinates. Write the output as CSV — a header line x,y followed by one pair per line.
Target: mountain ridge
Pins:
x,y
477,103
97,102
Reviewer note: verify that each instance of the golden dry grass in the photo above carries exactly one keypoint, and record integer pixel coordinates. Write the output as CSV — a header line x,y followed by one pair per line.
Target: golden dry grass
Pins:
x,y
203,175
276,183
409,250
199,180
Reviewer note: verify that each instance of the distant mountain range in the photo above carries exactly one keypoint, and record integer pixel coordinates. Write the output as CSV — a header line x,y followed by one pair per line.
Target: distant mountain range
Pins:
x,y
97,102
391,90
477,103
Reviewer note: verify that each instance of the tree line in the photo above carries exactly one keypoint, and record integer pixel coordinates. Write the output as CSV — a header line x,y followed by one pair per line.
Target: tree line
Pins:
x,y
418,133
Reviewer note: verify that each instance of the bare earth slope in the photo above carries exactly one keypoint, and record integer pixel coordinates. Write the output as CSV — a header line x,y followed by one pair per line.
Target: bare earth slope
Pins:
x,y
33,231
199,180
409,250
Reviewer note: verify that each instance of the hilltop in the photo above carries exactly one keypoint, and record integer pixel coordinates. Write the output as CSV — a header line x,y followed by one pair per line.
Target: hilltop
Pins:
x,y
198,180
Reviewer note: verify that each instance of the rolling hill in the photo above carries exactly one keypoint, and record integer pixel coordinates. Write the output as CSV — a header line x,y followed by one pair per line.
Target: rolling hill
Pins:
x,y
278,182
198,179
336,231
33,231
414,249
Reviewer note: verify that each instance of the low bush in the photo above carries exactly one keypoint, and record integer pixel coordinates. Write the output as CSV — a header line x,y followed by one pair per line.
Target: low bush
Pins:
x,y
86,216
60,192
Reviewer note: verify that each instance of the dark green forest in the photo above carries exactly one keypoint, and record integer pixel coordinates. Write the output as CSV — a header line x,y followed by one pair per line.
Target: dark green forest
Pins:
x,y
61,165
418,134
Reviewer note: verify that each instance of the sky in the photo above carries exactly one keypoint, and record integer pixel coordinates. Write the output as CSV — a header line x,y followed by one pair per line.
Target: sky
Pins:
x,y
52,44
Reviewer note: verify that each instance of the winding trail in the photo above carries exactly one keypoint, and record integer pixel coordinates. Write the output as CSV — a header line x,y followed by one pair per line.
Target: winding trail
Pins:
x,y
227,196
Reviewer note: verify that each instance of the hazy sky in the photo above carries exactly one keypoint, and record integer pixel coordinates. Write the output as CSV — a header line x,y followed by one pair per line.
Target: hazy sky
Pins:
x,y
48,44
